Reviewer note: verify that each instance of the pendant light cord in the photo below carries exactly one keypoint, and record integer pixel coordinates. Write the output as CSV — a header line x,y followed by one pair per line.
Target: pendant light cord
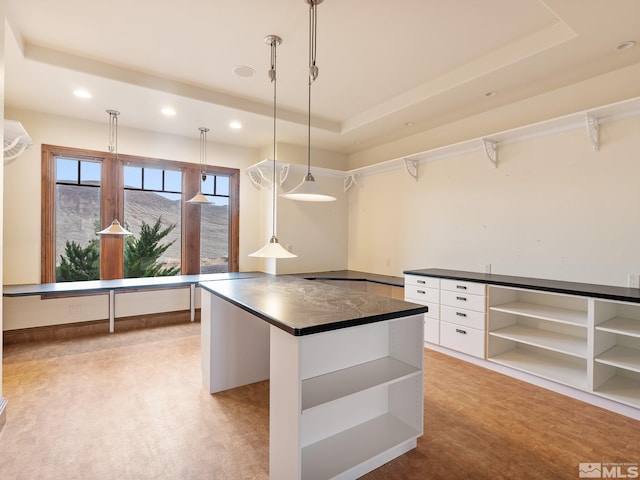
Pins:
x,y
273,77
313,73
203,153
113,147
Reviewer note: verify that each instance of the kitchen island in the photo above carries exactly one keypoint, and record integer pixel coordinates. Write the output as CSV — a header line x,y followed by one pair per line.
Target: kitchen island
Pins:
x,y
345,370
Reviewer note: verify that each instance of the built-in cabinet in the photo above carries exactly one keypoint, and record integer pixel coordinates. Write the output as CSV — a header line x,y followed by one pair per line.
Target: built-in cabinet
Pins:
x,y
582,339
616,369
456,316
425,291
541,333
462,316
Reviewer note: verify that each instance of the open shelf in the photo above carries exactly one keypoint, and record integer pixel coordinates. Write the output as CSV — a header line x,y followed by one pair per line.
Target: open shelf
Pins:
x,y
341,383
621,389
623,357
544,312
622,326
572,371
350,448
546,339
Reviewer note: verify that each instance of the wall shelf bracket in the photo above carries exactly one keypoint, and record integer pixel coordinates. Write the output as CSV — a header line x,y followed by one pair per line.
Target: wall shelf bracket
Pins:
x,y
593,128
258,178
350,180
491,149
412,168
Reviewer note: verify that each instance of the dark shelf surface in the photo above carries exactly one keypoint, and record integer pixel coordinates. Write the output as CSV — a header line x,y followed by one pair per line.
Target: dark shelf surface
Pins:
x,y
355,276
607,292
100,286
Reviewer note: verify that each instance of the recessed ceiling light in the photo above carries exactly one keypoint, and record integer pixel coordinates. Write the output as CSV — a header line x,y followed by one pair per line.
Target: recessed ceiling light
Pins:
x,y
168,111
82,93
626,45
492,93
235,125
243,71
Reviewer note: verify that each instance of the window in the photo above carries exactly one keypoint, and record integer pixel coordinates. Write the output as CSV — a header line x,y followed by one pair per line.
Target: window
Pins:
x,y
214,231
83,190
77,246
153,214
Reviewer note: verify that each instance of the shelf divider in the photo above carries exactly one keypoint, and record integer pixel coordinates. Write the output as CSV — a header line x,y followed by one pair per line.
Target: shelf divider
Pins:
x,y
546,339
347,381
544,312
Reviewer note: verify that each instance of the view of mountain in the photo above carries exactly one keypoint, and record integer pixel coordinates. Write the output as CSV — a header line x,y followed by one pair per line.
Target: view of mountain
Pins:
x,y
79,213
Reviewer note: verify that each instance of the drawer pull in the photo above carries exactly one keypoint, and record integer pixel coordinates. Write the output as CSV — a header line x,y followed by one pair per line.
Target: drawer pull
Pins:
x,y
422,292
421,282
460,314
462,299
463,332
461,287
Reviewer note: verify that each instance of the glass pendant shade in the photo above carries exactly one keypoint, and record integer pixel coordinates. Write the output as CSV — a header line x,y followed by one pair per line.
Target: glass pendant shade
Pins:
x,y
200,198
115,229
273,249
308,191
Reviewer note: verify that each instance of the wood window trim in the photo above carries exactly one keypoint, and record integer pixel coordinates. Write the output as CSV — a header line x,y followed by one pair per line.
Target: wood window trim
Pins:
x,y
112,181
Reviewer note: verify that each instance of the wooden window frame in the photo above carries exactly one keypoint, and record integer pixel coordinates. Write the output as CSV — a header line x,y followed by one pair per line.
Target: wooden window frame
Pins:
x,y
112,195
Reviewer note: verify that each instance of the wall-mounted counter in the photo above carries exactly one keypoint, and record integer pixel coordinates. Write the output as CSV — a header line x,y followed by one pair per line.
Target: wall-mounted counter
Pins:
x,y
579,339
345,370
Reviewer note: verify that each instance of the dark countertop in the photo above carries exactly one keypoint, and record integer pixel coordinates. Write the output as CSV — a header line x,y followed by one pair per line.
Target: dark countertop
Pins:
x,y
97,286
557,286
354,275
302,307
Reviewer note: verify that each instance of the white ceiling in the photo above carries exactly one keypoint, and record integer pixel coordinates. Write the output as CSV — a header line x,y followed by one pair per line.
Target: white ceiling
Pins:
x,y
383,64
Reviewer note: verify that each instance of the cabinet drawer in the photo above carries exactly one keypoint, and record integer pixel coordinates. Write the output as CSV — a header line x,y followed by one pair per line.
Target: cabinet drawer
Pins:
x,y
422,294
431,330
463,300
460,316
462,339
463,287
429,282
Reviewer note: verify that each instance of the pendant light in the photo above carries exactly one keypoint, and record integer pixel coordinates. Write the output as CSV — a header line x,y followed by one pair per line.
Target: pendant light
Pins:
x,y
115,228
308,190
199,197
273,249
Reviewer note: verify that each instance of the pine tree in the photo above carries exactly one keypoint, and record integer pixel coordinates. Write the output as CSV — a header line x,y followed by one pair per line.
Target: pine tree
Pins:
x,y
141,254
79,263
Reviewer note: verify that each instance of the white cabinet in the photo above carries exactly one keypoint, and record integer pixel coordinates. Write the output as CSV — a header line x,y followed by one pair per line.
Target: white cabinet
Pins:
x,y
578,339
425,291
456,317
360,398
616,369
462,316
545,334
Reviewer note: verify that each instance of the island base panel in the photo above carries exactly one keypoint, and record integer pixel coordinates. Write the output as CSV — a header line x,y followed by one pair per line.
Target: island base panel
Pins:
x,y
235,346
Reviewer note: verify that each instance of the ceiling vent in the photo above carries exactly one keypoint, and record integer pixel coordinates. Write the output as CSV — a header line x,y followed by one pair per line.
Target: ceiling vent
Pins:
x,y
16,140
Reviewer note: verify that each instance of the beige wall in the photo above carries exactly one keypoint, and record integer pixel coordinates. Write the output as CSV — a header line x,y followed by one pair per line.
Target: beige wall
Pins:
x,y
553,209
